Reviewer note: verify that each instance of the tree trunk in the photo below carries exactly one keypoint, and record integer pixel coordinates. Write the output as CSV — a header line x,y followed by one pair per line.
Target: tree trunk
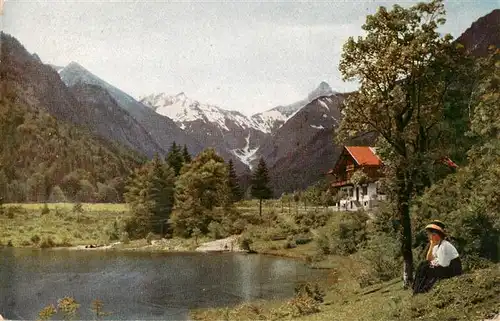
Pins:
x,y
260,208
404,189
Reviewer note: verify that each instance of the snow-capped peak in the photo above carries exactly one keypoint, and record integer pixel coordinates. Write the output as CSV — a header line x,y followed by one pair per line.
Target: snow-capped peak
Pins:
x,y
182,109
274,118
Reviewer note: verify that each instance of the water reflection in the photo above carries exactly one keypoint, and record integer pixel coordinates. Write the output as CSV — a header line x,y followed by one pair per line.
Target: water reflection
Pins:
x,y
140,285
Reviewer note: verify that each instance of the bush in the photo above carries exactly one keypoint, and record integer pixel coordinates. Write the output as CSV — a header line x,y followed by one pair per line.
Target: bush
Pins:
x,y
124,238
344,234
302,239
47,242
245,243
25,243
382,259
215,230
45,209
313,219
35,239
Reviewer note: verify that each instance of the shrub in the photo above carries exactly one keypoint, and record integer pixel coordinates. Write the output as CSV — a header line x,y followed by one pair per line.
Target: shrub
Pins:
x,y
124,238
382,259
344,233
45,209
302,239
245,243
313,219
25,243
215,230
47,242
35,239
289,245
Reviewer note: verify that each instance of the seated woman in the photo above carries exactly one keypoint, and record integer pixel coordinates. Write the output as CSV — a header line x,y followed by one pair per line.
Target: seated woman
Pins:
x,y
442,260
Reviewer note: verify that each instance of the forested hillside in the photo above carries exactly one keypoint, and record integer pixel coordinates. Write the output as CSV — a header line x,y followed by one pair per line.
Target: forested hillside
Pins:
x,y
43,159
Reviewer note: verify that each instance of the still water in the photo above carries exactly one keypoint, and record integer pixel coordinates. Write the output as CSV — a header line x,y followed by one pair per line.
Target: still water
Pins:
x,y
142,286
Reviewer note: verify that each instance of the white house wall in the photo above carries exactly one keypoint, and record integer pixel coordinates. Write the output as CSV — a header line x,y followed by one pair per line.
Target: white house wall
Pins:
x,y
365,201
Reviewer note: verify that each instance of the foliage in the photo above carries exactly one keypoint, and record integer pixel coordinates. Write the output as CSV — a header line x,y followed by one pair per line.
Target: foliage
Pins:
x,y
201,187
150,195
245,243
359,177
416,79
344,233
40,153
97,307
47,242
175,158
468,201
313,219
69,308
382,258
47,313
260,183
185,155
234,187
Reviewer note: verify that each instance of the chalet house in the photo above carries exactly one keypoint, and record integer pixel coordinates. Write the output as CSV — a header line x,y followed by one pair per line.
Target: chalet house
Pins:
x,y
365,193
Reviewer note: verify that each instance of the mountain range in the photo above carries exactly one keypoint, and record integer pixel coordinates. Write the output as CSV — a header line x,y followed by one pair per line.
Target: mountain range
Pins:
x,y
295,140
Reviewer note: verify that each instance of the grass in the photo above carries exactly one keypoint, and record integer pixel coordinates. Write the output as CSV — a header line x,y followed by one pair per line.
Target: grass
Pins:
x,y
24,224
469,297
87,207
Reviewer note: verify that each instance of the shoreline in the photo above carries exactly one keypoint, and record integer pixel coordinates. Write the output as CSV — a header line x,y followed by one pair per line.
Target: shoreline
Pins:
x,y
156,248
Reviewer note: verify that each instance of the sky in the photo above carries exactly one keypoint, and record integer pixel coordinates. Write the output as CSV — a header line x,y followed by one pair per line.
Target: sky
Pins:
x,y
245,56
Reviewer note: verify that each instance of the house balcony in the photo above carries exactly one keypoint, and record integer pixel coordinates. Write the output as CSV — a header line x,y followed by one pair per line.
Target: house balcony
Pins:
x,y
340,183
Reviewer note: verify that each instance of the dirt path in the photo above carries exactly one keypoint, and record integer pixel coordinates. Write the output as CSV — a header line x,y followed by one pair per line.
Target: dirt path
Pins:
x,y
230,244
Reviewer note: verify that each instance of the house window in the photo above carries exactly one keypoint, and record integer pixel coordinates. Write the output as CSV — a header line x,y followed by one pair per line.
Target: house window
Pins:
x,y
366,203
351,192
351,204
365,190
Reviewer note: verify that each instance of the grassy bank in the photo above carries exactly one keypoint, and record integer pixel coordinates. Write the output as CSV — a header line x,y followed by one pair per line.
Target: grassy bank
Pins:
x,y
469,297
57,224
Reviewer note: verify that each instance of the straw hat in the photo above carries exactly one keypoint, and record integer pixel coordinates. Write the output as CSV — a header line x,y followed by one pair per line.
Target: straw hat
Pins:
x,y
435,228
438,223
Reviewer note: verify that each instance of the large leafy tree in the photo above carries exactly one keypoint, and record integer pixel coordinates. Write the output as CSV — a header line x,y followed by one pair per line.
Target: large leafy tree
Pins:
x,y
202,186
407,70
260,184
234,186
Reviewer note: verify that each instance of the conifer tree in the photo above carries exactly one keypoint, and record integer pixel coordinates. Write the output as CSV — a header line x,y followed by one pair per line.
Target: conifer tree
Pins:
x,y
175,158
185,155
260,184
150,195
162,194
234,186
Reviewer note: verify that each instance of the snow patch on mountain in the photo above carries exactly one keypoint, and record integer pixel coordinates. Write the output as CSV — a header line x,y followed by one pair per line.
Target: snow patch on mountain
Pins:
x,y
246,154
317,127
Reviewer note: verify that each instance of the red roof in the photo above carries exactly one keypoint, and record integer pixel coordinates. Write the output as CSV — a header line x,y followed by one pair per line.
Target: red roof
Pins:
x,y
364,155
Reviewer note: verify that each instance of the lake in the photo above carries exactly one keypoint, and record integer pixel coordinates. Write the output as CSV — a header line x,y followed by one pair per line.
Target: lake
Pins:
x,y
146,286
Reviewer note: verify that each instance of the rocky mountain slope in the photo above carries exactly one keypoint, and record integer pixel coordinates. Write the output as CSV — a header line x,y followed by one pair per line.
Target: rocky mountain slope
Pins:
x,y
482,34
39,86
230,132
162,129
271,120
